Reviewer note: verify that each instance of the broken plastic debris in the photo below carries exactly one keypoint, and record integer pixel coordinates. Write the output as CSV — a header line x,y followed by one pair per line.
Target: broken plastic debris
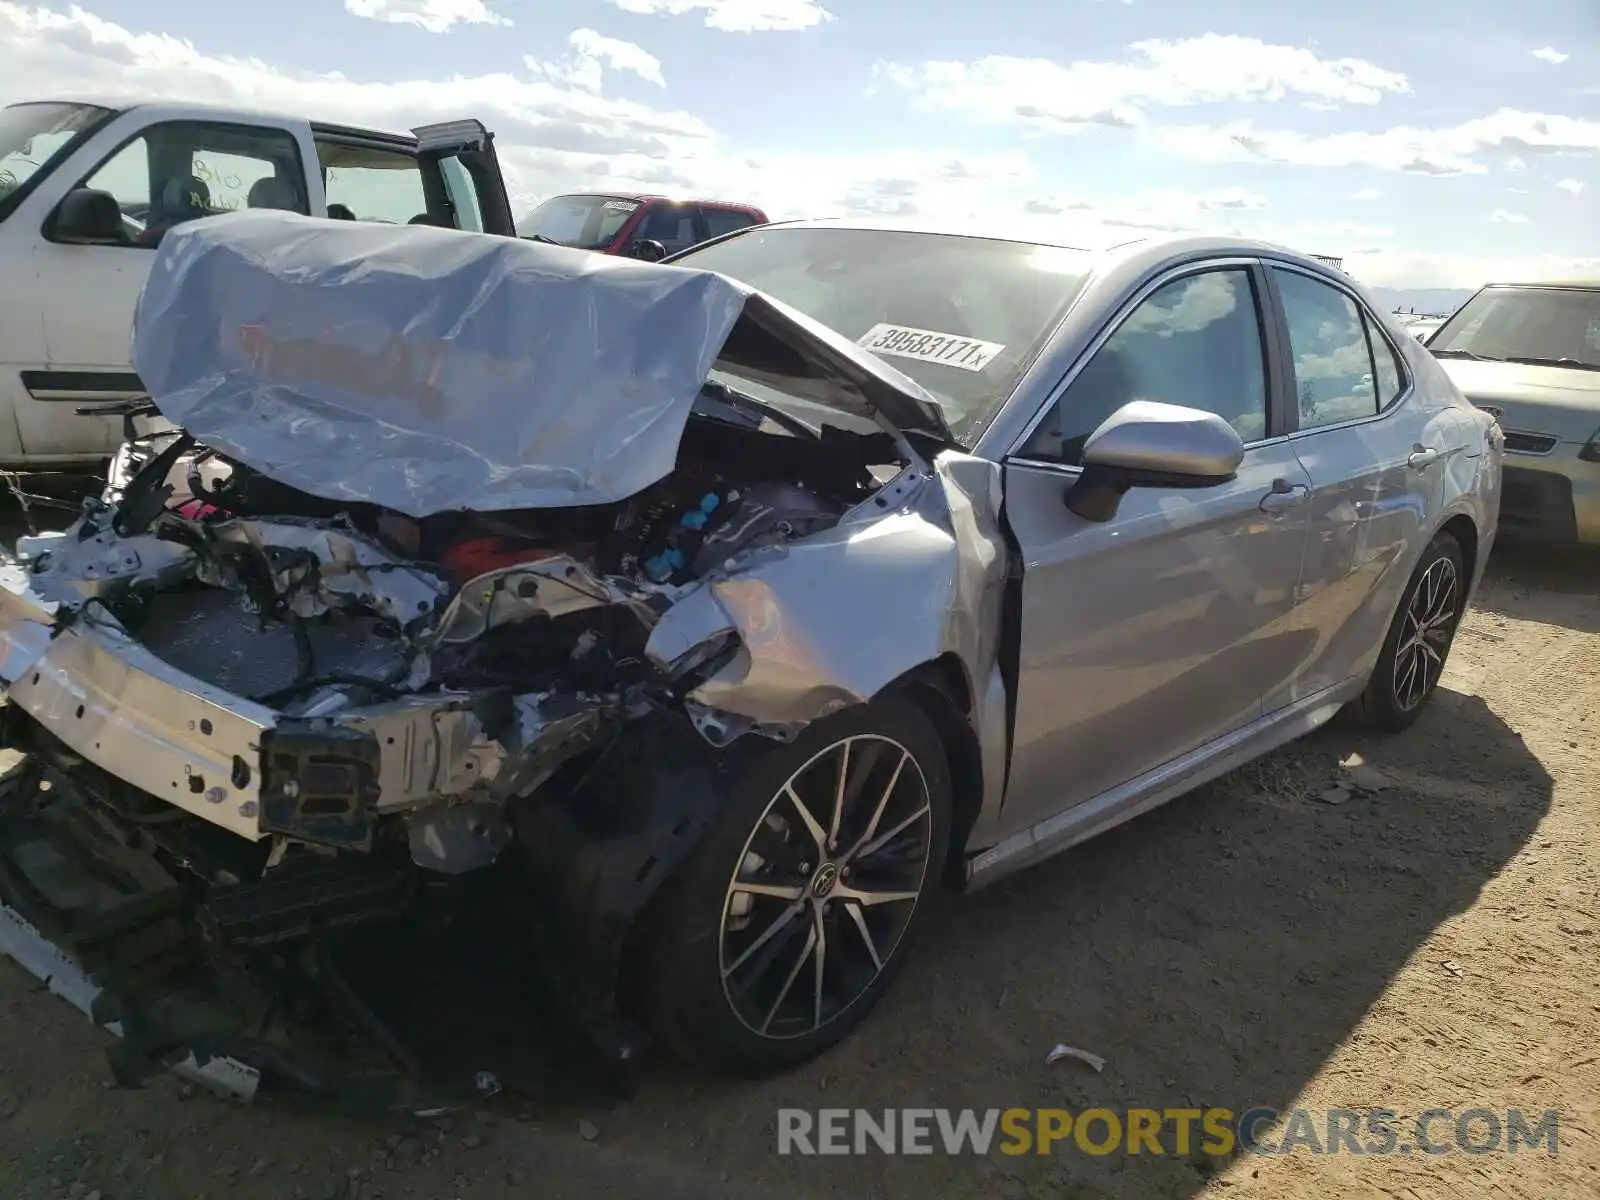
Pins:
x,y
1083,1056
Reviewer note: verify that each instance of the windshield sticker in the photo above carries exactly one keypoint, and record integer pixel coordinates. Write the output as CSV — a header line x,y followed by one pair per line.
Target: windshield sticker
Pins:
x,y
620,205
929,345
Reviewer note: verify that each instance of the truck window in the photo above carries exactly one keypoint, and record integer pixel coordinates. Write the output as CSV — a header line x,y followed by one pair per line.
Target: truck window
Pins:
x,y
670,224
365,183
34,137
181,170
724,220
463,195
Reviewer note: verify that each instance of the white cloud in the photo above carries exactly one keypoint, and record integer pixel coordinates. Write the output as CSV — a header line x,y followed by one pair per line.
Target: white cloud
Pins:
x,y
1216,211
1453,150
1550,54
738,16
1516,163
1517,191
436,16
593,54
1208,69
1574,186
1367,194
553,132
1403,268
1502,217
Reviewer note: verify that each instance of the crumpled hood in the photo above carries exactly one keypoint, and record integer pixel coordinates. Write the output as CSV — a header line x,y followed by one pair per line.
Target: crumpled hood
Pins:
x,y
427,370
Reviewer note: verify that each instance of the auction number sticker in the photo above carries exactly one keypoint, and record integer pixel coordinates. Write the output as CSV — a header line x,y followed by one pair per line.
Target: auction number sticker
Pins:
x,y
929,345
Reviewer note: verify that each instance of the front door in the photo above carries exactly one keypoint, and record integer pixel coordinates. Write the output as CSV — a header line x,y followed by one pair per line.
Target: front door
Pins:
x,y
1147,636
164,175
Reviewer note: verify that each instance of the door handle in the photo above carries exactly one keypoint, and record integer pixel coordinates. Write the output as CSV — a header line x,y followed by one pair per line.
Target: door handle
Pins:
x,y
1422,457
1284,496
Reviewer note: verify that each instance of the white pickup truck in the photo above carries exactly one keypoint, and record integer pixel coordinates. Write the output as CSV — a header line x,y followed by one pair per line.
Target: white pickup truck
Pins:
x,y
88,187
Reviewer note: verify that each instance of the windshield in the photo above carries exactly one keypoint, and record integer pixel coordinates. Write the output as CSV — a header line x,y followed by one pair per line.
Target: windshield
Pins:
x,y
587,222
963,316
1560,326
33,137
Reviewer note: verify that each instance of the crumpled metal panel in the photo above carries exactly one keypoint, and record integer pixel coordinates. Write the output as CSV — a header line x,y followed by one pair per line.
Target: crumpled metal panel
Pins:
x,y
844,613
428,370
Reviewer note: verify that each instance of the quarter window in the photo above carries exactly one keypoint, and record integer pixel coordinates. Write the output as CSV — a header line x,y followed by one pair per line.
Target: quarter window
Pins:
x,y
1333,366
1386,368
1195,341
181,171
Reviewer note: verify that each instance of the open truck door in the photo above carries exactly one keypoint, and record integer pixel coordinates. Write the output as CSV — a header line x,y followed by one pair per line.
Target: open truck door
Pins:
x,y
461,177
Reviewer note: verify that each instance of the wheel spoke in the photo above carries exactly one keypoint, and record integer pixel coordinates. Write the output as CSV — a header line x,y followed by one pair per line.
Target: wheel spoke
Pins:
x,y
1441,611
883,803
809,821
859,919
840,780
794,973
776,891
869,897
771,932
882,840
819,932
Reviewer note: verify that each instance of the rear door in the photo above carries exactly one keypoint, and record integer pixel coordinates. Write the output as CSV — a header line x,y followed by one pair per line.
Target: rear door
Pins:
x,y
461,176
1376,458
1154,633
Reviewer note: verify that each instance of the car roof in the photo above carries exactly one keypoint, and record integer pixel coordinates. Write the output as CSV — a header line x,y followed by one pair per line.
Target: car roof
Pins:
x,y
646,197
1087,238
179,108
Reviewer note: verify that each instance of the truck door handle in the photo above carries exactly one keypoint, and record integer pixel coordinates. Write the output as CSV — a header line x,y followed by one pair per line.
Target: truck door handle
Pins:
x,y
1284,496
1421,457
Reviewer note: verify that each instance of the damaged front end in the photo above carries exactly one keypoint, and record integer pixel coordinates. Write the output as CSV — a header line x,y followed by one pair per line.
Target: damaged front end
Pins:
x,y
280,716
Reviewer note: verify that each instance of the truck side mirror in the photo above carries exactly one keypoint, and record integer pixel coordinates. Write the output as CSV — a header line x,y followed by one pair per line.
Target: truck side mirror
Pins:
x,y
89,217
647,250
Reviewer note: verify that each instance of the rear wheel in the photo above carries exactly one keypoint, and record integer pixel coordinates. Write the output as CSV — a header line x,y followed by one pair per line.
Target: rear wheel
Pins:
x,y
793,915
1414,653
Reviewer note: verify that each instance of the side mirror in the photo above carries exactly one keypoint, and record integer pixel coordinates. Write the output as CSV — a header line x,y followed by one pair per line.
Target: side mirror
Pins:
x,y
1146,444
647,250
89,216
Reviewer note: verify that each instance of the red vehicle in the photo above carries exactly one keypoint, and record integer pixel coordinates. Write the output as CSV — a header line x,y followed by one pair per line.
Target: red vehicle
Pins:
x,y
648,227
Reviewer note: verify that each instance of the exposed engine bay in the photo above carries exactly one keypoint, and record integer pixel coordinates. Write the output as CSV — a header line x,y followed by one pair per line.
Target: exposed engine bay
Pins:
x,y
472,653
403,680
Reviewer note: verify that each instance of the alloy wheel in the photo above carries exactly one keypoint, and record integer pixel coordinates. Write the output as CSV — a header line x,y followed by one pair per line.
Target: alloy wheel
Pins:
x,y
825,887
1425,633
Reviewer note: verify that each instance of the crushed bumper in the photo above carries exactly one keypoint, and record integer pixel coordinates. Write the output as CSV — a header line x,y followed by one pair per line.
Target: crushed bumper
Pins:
x,y
116,705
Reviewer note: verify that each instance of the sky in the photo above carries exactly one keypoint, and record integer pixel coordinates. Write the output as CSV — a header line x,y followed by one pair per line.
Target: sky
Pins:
x,y
1430,144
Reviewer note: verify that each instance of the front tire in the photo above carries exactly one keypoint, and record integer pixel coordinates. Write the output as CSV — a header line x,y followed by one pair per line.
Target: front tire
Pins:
x,y
790,919
1420,637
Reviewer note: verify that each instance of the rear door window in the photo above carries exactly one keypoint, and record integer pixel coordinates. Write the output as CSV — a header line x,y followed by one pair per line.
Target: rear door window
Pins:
x,y
1333,369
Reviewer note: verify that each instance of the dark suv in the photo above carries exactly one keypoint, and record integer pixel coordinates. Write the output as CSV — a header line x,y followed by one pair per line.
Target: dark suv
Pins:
x,y
649,227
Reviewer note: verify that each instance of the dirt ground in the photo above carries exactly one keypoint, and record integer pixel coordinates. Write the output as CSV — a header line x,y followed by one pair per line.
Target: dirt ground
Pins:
x,y
1428,940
